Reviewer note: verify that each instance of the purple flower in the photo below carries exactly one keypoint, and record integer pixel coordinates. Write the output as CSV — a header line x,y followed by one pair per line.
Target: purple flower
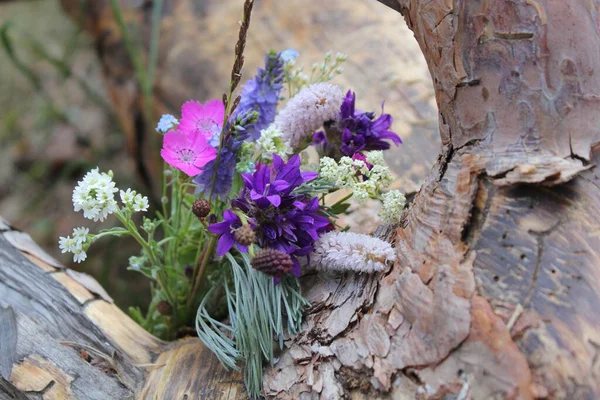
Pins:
x,y
223,176
226,229
355,131
261,94
227,162
361,131
283,220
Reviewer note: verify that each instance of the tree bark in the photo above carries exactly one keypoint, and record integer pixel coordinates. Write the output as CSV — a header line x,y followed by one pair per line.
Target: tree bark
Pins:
x,y
496,289
495,229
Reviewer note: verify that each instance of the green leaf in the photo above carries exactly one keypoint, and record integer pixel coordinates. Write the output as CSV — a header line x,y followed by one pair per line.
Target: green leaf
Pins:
x,y
339,208
116,231
136,314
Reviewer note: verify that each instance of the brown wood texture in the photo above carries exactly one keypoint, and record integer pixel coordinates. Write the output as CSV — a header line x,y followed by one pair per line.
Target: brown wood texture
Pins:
x,y
495,229
495,293
62,338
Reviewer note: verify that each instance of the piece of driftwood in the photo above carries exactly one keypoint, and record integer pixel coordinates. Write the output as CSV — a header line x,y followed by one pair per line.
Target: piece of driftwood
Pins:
x,y
496,290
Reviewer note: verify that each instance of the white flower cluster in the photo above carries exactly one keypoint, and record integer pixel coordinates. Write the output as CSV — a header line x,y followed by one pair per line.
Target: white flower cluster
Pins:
x,y
307,111
95,195
271,142
343,251
76,244
393,204
132,200
365,181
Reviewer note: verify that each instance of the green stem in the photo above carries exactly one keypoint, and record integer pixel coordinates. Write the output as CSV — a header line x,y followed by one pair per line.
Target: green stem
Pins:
x,y
337,203
197,279
136,235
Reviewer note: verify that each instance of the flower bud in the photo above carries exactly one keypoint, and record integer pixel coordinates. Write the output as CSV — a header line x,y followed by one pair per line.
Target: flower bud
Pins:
x,y
244,235
201,208
272,262
164,308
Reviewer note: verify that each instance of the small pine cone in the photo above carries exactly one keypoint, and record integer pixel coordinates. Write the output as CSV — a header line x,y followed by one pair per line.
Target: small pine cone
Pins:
x,y
272,262
164,308
201,208
244,235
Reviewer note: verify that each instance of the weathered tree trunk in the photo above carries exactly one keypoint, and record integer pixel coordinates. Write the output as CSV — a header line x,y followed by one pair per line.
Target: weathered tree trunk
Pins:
x,y
496,291
495,228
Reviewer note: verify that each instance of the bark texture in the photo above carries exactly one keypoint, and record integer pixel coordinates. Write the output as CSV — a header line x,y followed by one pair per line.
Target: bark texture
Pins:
x,y
496,289
63,338
495,228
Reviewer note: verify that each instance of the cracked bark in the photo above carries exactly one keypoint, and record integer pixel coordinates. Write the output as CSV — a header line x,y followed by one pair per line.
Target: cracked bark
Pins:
x,y
507,216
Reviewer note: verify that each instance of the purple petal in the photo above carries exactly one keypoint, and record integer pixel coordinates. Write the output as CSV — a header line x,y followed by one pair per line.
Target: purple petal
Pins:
x,y
296,270
275,200
225,244
220,228
299,205
309,175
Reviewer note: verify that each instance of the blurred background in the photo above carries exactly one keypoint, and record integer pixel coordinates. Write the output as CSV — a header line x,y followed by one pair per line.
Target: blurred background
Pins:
x,y
71,99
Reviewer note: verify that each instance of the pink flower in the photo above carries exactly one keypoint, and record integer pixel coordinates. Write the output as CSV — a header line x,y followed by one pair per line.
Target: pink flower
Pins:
x,y
206,119
188,152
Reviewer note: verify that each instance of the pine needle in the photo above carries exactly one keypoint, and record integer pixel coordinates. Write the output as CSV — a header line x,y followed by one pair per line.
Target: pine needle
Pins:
x,y
256,315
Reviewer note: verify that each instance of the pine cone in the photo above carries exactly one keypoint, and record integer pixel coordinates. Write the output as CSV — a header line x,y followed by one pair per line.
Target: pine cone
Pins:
x,y
272,262
244,235
164,308
201,208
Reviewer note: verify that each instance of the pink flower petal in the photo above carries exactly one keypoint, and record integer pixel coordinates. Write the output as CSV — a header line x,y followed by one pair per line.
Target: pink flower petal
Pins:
x,y
175,140
206,119
215,110
187,152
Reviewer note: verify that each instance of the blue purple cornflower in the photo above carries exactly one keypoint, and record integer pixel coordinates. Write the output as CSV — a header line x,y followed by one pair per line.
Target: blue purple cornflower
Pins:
x,y
282,219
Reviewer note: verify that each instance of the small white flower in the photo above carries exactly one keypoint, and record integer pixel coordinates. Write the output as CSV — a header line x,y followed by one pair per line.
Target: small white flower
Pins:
x,y
376,158
362,191
127,197
351,251
68,244
79,255
167,121
80,234
328,169
289,55
341,57
381,175
271,142
140,203
307,111
393,204
95,195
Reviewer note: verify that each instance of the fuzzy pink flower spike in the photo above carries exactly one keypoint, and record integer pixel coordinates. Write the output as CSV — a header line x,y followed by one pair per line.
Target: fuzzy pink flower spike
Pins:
x,y
187,152
206,119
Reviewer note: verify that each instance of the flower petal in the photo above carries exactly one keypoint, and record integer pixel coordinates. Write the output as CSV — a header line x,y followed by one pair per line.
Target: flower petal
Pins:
x,y
225,244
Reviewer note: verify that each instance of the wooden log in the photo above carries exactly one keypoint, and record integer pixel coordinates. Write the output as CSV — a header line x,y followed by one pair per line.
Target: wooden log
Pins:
x,y
62,337
496,290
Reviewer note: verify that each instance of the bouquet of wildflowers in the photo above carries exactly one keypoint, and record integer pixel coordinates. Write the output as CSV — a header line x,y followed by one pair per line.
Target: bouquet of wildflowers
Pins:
x,y
244,211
